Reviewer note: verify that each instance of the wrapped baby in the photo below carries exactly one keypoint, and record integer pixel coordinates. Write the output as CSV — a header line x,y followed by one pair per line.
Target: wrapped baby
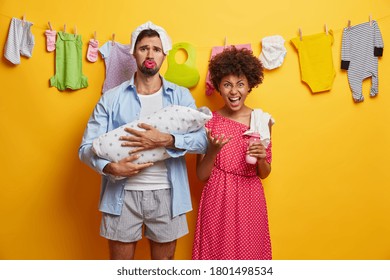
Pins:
x,y
173,119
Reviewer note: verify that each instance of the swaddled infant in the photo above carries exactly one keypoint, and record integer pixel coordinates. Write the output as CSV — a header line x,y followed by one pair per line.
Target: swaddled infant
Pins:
x,y
173,119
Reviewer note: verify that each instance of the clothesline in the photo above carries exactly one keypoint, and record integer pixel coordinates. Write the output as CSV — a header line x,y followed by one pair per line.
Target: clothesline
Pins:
x,y
377,19
326,63
44,27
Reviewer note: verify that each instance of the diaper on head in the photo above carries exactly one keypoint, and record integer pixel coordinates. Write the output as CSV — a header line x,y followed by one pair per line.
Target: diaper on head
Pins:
x,y
165,40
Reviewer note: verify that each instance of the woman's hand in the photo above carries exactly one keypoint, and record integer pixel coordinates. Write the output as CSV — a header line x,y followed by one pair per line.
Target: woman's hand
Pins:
x,y
256,149
216,142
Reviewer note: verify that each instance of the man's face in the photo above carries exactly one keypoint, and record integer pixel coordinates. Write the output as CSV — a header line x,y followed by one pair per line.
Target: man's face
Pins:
x,y
149,55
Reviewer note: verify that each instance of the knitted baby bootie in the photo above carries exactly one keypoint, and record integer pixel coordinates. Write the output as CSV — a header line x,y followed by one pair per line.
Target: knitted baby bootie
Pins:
x,y
93,47
50,40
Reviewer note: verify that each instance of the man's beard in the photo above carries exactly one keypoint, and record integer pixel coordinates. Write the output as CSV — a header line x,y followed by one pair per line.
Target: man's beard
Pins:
x,y
149,71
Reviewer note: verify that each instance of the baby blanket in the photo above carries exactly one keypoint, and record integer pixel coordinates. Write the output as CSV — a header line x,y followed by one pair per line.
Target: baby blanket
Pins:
x,y
173,119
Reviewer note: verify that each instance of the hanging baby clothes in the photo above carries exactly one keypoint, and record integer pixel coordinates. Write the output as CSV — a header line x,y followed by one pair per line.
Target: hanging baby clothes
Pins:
x,y
120,64
68,63
183,74
50,40
216,50
273,52
93,48
20,40
362,44
316,60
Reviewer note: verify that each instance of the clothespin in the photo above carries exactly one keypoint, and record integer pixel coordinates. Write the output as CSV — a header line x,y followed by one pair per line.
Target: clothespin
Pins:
x,y
75,30
225,43
94,35
51,29
370,20
65,28
326,29
23,20
349,23
300,34
113,39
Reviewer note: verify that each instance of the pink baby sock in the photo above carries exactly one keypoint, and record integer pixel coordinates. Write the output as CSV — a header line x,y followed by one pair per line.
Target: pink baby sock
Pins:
x,y
93,47
50,40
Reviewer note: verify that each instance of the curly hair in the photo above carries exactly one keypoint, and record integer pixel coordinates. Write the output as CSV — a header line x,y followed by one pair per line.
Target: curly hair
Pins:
x,y
236,62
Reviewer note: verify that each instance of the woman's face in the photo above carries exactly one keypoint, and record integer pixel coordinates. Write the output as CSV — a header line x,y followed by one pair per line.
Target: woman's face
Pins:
x,y
234,90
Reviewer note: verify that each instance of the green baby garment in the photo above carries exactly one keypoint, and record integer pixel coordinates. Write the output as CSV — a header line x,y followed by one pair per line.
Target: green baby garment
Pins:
x,y
68,63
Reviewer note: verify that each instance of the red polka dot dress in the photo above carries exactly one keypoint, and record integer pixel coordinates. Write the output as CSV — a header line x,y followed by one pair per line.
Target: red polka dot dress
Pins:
x,y
232,221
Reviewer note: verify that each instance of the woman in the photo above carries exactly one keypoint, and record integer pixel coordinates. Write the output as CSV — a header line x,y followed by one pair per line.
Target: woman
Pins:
x,y
232,219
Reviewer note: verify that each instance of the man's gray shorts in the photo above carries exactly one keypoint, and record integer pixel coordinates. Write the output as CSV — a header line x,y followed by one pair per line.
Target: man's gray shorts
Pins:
x,y
149,208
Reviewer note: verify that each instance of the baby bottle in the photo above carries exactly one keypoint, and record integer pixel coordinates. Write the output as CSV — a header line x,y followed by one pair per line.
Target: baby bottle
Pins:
x,y
255,137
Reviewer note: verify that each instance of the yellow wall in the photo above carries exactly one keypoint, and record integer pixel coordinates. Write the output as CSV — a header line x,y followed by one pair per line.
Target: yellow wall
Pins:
x,y
328,194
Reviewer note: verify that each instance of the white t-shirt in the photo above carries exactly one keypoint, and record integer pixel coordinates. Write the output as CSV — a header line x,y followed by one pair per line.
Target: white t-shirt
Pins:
x,y
156,176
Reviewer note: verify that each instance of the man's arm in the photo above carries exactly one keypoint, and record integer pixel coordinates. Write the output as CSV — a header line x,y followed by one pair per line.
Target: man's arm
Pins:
x,y
96,126
147,139
125,167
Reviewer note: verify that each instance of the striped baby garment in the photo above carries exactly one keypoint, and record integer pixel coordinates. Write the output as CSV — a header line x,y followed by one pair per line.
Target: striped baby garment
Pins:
x,y
362,44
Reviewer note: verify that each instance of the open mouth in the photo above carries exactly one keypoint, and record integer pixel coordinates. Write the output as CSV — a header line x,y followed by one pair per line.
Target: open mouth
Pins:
x,y
234,100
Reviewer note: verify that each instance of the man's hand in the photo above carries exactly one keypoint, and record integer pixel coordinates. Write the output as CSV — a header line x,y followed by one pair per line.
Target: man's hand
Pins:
x,y
147,139
125,167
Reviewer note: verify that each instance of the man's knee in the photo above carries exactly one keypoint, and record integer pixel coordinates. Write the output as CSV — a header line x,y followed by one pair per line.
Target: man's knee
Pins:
x,y
162,251
121,250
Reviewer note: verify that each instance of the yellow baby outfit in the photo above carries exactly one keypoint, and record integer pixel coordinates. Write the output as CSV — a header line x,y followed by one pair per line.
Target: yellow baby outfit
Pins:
x,y
316,60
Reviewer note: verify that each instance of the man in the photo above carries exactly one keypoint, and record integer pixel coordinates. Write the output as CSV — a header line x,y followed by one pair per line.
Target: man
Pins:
x,y
153,195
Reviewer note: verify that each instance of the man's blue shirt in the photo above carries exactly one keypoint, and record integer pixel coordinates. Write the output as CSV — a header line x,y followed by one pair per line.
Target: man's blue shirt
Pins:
x,y
121,105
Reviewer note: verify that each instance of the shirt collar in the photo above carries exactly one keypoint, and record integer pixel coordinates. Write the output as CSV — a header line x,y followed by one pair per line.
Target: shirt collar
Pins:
x,y
167,86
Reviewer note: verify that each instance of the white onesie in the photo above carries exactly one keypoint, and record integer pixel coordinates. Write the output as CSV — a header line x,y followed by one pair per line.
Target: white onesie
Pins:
x,y
273,52
20,41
